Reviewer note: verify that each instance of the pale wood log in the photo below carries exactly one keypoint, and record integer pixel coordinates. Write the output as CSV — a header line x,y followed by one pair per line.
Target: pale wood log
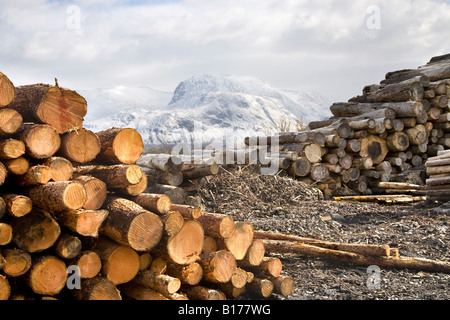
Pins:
x,y
163,177
189,212
254,256
34,176
262,288
375,148
163,162
202,293
5,288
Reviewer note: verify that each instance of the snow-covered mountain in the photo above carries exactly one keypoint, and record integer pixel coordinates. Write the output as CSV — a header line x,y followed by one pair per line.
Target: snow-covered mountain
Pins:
x,y
203,109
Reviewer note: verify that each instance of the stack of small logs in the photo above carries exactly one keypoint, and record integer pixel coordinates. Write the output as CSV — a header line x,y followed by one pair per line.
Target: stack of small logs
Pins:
x,y
438,183
385,135
77,220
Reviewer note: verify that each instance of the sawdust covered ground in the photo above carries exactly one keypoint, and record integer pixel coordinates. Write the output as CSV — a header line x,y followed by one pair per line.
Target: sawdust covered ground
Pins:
x,y
281,204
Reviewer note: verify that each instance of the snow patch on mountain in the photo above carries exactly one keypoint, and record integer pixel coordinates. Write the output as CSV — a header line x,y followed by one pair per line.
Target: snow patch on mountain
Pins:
x,y
204,109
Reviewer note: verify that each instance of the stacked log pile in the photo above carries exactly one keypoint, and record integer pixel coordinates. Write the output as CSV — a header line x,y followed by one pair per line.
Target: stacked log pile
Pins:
x,y
438,182
384,135
77,220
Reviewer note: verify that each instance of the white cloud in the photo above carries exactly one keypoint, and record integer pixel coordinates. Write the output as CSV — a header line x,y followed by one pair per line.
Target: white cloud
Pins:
x,y
323,45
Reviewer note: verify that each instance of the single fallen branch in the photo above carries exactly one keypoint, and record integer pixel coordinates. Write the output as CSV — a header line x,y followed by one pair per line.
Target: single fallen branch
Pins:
x,y
390,199
358,259
363,249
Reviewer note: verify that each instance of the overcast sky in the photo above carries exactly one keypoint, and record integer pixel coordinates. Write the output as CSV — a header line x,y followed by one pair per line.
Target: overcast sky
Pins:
x,y
335,47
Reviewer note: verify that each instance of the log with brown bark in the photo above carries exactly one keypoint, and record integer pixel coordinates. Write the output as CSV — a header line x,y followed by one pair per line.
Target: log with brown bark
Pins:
x,y
217,225
218,267
156,203
58,196
83,222
17,205
240,241
115,176
61,108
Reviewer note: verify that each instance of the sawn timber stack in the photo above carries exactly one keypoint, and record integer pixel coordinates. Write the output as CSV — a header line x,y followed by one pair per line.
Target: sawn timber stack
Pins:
x,y
71,197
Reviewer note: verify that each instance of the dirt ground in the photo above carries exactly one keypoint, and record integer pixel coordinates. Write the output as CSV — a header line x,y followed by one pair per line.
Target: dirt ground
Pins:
x,y
282,204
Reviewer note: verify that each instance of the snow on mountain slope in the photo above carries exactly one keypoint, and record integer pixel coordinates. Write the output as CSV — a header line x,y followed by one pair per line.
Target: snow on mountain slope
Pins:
x,y
207,108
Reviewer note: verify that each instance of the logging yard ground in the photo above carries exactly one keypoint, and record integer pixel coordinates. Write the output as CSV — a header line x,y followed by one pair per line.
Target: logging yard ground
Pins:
x,y
282,204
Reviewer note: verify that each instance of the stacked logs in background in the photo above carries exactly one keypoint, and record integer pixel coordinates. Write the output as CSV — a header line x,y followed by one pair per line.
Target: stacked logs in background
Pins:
x,y
72,197
385,135
438,182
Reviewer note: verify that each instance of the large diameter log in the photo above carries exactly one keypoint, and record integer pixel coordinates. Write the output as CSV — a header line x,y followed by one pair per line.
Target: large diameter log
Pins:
x,y
41,140
80,146
47,275
319,173
375,148
58,196
218,267
120,145
7,90
10,121
35,232
120,264
61,108
130,224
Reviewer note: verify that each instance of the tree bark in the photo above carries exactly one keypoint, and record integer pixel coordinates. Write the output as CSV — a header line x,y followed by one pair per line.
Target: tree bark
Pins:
x,y
157,203
97,288
217,225
83,222
61,168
